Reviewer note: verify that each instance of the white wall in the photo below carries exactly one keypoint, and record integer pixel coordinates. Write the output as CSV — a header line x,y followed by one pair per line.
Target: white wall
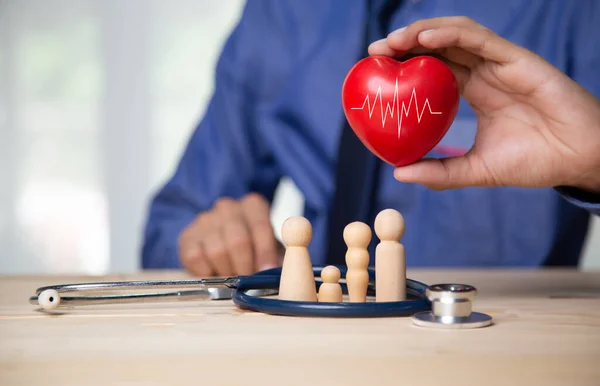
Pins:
x,y
591,257
97,98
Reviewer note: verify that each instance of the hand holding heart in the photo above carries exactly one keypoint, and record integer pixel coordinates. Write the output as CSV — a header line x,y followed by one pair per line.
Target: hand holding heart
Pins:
x,y
536,127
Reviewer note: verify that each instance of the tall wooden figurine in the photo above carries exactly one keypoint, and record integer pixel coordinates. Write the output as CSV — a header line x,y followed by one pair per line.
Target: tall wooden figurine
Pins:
x,y
390,257
357,236
297,279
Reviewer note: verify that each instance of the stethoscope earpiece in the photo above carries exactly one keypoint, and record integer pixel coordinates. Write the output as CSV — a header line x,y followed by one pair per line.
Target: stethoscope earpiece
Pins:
x,y
49,299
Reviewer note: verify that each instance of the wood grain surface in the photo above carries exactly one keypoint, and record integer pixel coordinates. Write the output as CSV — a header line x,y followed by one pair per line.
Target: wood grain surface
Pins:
x,y
546,331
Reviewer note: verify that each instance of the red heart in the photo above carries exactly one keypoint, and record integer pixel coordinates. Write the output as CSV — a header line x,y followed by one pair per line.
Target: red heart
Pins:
x,y
400,110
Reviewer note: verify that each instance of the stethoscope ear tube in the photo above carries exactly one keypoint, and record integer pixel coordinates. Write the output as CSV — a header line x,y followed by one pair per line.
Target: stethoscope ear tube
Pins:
x,y
247,292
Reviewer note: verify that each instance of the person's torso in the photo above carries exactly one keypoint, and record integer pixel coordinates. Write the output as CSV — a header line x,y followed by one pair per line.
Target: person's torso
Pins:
x,y
465,227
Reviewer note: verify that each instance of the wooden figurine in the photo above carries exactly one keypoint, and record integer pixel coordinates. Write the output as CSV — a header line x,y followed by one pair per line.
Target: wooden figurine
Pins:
x,y
390,257
357,236
297,279
330,290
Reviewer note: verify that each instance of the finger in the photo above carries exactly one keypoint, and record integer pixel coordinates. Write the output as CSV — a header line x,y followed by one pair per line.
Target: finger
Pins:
x,y
459,56
256,212
381,47
198,265
442,174
190,251
483,43
457,32
213,245
406,38
236,235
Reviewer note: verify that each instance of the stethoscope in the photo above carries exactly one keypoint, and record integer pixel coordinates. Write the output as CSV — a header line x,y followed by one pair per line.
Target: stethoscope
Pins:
x,y
440,305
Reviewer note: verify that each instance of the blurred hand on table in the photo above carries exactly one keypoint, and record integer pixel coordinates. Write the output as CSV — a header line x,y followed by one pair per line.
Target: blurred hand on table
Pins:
x,y
235,237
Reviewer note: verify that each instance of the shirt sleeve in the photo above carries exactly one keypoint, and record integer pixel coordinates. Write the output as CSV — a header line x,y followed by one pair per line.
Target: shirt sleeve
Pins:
x,y
580,198
225,155
584,69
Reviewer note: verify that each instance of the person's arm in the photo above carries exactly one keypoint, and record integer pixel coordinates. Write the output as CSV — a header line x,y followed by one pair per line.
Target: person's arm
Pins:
x,y
225,156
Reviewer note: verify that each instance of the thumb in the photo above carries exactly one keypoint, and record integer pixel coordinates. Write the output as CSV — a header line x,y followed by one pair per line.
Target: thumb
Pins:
x,y
442,174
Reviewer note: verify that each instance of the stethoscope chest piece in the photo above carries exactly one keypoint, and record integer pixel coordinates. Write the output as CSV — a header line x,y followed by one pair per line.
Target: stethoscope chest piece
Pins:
x,y
451,308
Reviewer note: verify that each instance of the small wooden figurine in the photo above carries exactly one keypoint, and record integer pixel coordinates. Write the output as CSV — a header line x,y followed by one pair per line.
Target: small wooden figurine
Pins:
x,y
330,290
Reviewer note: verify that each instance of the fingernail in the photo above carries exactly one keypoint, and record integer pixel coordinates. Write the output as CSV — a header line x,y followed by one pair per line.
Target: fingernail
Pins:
x,y
397,32
396,174
426,32
399,174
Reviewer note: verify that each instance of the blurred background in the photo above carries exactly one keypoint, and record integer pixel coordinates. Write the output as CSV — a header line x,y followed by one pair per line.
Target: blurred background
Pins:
x,y
97,100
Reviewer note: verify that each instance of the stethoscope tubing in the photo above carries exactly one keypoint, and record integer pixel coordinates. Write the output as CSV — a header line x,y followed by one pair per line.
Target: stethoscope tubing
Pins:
x,y
415,289
337,310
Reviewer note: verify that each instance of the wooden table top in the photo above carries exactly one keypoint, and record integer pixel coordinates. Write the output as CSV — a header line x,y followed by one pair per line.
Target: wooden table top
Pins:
x,y
546,332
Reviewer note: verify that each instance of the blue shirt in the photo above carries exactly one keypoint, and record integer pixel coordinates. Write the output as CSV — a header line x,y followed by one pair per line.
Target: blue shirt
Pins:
x,y
276,111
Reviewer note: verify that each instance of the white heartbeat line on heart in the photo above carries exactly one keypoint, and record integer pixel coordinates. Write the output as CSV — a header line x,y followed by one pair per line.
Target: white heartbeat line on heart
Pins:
x,y
395,107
